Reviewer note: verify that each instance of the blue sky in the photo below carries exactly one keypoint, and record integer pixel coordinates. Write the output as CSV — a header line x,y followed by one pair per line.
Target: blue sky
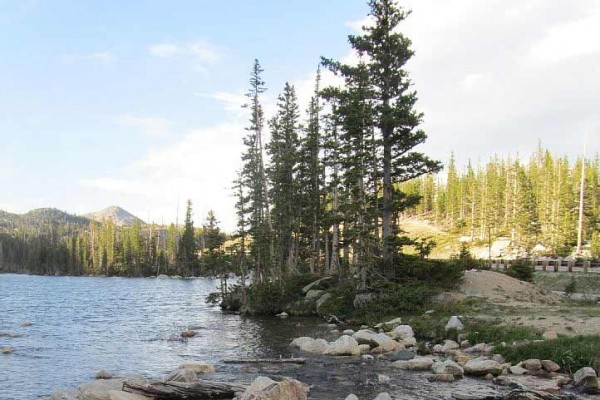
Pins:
x,y
136,103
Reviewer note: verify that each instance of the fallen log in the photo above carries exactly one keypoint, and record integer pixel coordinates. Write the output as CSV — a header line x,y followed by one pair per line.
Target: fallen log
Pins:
x,y
267,361
200,390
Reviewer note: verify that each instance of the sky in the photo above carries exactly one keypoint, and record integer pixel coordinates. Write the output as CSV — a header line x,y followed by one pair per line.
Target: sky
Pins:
x,y
138,103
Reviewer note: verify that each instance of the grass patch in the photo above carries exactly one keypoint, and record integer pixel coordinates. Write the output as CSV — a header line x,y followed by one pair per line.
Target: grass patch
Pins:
x,y
494,333
571,353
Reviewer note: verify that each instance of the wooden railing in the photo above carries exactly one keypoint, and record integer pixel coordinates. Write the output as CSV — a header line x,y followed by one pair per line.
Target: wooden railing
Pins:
x,y
552,265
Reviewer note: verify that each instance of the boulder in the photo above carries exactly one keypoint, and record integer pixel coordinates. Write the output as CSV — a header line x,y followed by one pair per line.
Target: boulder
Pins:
x,y
532,364
550,366
263,388
438,348
516,370
364,348
476,393
344,346
283,315
199,369
367,357
103,374
408,342
586,378
401,355
447,367
98,389
26,324
351,397
482,366
383,378
65,394
450,345
482,348
188,334
317,346
301,341
454,323
465,344
416,364
348,332
404,331
6,349
119,395
382,342
182,375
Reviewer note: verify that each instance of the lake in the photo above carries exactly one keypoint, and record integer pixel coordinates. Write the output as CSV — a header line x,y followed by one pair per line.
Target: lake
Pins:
x,y
126,326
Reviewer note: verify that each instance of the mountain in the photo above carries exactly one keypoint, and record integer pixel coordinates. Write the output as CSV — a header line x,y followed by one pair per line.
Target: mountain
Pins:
x,y
40,217
119,216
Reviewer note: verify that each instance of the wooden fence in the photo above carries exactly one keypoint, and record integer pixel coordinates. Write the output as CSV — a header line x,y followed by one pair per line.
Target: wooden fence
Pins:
x,y
552,265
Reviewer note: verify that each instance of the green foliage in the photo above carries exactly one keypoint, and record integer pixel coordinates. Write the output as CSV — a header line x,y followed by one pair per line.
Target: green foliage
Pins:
x,y
571,353
273,297
521,270
439,274
571,287
495,333
465,259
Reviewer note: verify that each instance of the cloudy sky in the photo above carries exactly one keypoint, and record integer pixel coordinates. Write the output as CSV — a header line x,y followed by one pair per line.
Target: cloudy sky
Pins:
x,y
137,103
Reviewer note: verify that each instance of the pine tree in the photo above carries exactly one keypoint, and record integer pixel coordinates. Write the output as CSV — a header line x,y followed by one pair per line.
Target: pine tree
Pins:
x,y
188,247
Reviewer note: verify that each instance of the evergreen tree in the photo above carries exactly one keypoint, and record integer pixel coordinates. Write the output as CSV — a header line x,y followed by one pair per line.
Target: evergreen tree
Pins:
x,y
188,247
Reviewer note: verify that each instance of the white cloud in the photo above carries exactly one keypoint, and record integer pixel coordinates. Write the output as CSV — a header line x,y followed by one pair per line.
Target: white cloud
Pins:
x,y
200,166
232,101
201,51
153,127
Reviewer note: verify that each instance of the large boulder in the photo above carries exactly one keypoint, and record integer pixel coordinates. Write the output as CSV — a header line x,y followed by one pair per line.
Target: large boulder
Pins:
x,y
482,366
317,346
532,364
447,367
454,323
383,396
404,331
450,345
322,301
98,389
301,341
264,388
65,394
314,294
343,346
416,364
586,378
550,366
382,342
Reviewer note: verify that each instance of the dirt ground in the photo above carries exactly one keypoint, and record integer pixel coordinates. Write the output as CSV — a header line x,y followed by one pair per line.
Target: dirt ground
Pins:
x,y
522,303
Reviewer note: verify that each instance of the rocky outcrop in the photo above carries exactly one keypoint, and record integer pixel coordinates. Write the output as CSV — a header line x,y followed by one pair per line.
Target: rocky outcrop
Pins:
x,y
586,379
199,369
447,367
99,389
263,388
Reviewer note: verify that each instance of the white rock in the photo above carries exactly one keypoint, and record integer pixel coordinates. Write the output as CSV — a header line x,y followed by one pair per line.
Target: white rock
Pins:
x,y
404,331
301,341
351,397
182,375
454,323
450,345
344,346
283,315
267,389
383,396
447,367
482,366
317,346
348,332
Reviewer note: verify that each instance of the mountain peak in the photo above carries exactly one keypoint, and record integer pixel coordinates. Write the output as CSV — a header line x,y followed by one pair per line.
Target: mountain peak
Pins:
x,y
119,216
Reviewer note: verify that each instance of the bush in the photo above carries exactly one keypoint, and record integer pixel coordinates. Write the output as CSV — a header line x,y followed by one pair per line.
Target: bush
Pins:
x,y
571,353
493,333
439,274
270,298
521,270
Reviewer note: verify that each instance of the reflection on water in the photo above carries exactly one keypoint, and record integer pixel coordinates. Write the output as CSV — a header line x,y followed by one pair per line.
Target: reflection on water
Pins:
x,y
82,325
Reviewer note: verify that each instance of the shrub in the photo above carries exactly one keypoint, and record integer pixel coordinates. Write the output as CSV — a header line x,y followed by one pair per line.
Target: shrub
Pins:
x,y
494,333
521,270
571,353
439,274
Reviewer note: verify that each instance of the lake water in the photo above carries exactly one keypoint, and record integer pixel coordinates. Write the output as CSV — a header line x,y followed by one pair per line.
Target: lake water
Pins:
x,y
81,325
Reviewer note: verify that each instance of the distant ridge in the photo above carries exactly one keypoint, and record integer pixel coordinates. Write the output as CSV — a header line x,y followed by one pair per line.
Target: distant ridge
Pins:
x,y
119,216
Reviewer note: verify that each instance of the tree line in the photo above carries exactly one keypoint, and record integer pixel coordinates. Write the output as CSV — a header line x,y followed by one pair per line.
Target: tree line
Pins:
x,y
51,245
532,200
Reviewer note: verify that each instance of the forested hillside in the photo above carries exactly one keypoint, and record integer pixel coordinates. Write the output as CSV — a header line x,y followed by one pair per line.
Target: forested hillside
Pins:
x,y
531,200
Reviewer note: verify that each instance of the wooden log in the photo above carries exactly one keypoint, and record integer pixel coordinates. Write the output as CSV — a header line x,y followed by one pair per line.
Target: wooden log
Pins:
x,y
267,361
200,390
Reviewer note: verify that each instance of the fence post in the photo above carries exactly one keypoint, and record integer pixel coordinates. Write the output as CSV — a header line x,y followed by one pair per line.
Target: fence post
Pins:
x,y
570,264
586,266
544,265
557,263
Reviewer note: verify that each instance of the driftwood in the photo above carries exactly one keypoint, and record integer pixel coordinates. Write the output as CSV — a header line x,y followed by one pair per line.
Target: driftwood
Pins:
x,y
268,361
200,390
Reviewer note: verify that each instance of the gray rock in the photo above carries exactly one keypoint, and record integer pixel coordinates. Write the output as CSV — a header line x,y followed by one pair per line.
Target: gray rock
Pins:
x,y
450,345
441,378
447,367
98,389
301,341
550,366
348,332
344,346
482,367
182,375
6,349
532,364
351,397
404,331
586,378
199,369
119,395
317,346
454,323
263,388
103,374
476,393
65,394
314,294
401,355
516,370
416,364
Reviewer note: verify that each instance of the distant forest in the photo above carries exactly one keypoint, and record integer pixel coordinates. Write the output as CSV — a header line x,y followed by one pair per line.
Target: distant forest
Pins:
x,y
532,200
